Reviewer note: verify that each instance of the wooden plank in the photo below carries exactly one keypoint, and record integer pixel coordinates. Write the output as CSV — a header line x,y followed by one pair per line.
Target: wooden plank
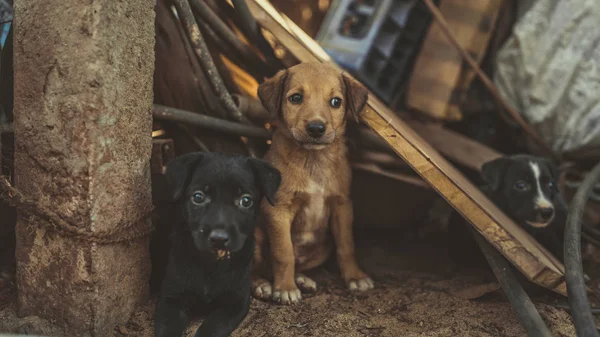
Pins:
x,y
512,241
405,178
439,66
454,145
477,48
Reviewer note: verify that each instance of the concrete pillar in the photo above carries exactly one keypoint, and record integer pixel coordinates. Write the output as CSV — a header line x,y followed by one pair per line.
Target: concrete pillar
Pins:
x,y
83,96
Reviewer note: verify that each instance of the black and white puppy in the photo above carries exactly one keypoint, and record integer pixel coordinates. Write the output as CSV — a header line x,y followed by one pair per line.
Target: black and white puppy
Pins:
x,y
216,202
525,188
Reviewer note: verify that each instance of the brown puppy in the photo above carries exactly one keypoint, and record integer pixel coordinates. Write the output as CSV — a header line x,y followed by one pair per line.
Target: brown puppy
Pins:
x,y
310,103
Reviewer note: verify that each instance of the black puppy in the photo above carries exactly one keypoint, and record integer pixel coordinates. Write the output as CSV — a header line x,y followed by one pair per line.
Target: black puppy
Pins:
x,y
216,199
525,188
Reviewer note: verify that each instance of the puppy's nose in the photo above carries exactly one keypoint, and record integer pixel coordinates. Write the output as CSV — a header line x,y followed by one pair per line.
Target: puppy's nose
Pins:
x,y
315,129
219,238
546,213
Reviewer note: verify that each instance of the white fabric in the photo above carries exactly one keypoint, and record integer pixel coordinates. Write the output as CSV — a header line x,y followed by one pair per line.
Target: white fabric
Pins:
x,y
549,70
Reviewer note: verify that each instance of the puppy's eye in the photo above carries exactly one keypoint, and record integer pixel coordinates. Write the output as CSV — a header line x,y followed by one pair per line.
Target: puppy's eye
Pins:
x,y
296,99
550,184
245,201
521,186
336,102
198,198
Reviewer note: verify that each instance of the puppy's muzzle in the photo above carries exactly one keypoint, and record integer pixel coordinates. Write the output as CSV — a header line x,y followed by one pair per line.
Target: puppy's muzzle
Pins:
x,y
544,215
219,239
316,129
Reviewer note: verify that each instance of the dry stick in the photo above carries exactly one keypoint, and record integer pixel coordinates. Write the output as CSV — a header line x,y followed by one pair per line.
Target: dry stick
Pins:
x,y
200,144
222,30
201,49
226,50
252,108
6,128
483,77
227,127
206,92
250,25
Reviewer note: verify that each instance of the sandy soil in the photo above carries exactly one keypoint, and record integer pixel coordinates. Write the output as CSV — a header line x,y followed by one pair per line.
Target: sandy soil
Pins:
x,y
419,292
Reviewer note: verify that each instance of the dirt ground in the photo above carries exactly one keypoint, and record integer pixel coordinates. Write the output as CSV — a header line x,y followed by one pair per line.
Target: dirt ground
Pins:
x,y
419,292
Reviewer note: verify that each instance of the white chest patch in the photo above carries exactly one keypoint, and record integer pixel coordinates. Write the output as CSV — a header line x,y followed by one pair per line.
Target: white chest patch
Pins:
x,y
315,188
541,200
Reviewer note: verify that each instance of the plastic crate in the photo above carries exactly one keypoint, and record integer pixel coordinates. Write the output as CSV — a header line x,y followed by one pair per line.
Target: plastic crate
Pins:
x,y
376,41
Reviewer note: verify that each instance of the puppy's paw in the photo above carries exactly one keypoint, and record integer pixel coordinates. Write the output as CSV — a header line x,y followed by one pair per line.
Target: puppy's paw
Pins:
x,y
306,284
287,296
262,289
362,284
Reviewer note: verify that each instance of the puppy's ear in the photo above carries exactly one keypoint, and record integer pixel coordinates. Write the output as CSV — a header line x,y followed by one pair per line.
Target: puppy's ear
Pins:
x,y
356,96
554,171
493,172
179,172
270,92
268,178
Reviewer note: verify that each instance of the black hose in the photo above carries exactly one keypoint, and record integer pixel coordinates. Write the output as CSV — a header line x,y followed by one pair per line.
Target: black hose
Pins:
x,y
589,233
576,289
595,311
207,122
526,312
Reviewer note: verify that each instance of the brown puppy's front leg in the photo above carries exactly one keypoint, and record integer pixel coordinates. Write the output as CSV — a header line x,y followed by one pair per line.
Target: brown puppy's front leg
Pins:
x,y
341,227
261,287
279,229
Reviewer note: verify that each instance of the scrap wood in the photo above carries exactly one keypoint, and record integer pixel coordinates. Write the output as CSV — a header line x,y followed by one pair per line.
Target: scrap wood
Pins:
x,y
485,80
511,240
476,291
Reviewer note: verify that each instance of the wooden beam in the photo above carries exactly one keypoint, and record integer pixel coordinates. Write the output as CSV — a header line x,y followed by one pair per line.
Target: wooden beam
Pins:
x,y
459,148
512,241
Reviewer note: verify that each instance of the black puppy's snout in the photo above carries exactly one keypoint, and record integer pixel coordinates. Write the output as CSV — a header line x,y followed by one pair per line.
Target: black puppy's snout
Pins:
x,y
219,238
316,129
546,213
